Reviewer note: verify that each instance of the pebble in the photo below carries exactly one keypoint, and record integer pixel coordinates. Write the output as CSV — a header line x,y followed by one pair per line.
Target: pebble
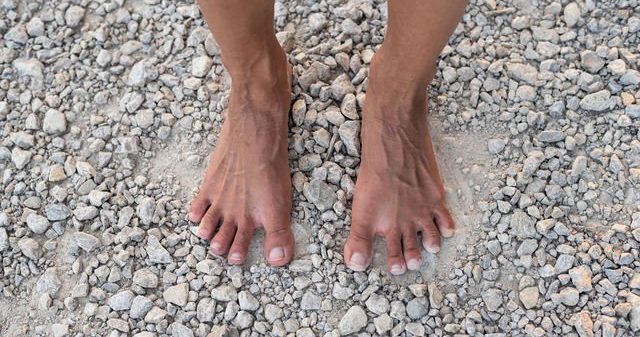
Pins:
x,y
54,122
354,320
349,133
597,102
145,278
529,297
178,294
156,252
37,223
320,194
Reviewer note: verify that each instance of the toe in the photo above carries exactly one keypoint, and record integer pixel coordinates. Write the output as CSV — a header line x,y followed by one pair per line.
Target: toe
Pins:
x,y
198,208
357,249
412,255
223,239
395,258
240,246
209,223
445,222
430,237
278,244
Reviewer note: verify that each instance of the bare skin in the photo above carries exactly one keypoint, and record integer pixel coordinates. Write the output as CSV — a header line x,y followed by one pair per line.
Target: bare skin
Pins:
x,y
399,194
247,183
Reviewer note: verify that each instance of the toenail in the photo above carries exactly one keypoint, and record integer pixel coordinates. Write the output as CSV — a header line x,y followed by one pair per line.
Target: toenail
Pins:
x,y
447,233
235,257
358,262
414,264
432,249
397,269
216,247
276,254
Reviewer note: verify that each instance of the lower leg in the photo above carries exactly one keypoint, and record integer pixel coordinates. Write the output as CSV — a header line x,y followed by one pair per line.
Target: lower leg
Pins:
x,y
247,182
398,177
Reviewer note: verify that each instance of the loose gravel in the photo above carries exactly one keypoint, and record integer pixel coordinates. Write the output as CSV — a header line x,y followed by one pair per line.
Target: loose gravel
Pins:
x,y
108,110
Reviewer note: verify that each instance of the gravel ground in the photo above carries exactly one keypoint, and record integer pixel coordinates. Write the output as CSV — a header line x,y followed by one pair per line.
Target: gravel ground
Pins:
x,y
109,109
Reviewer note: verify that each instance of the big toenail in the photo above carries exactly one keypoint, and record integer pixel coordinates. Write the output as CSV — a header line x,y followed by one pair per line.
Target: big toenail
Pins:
x,y
358,262
397,269
413,264
276,254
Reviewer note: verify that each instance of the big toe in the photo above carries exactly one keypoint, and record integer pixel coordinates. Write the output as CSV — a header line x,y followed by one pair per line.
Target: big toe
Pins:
x,y
278,244
198,208
357,249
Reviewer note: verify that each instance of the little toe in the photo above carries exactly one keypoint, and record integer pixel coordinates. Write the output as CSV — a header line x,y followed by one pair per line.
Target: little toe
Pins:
x,y
223,239
209,223
278,244
445,222
412,255
395,258
357,249
240,247
430,237
198,207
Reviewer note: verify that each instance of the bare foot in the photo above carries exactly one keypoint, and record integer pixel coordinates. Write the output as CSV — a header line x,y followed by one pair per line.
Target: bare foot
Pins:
x,y
398,193
247,183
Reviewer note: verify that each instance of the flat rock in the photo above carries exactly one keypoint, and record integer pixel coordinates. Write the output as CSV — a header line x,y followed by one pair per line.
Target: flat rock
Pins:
x,y
178,294
597,102
354,320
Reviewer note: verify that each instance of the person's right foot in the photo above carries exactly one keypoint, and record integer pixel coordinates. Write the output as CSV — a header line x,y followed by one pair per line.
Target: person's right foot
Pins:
x,y
247,183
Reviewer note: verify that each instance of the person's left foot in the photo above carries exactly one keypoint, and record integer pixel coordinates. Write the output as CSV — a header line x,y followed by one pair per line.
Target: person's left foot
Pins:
x,y
398,191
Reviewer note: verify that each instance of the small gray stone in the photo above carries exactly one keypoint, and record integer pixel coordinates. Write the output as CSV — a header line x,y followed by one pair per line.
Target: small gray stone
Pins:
x,y
492,298
49,283
308,162
180,330
569,296
178,294
571,14
121,301
201,66
224,293
581,278
37,223
145,210
354,320
206,310
145,278
590,61
551,136
583,324
85,213
249,302
73,16
30,248
86,241
54,122
529,297
349,133
377,304
417,307
310,301
496,145
320,194
156,252
598,101
20,157
341,86
140,306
